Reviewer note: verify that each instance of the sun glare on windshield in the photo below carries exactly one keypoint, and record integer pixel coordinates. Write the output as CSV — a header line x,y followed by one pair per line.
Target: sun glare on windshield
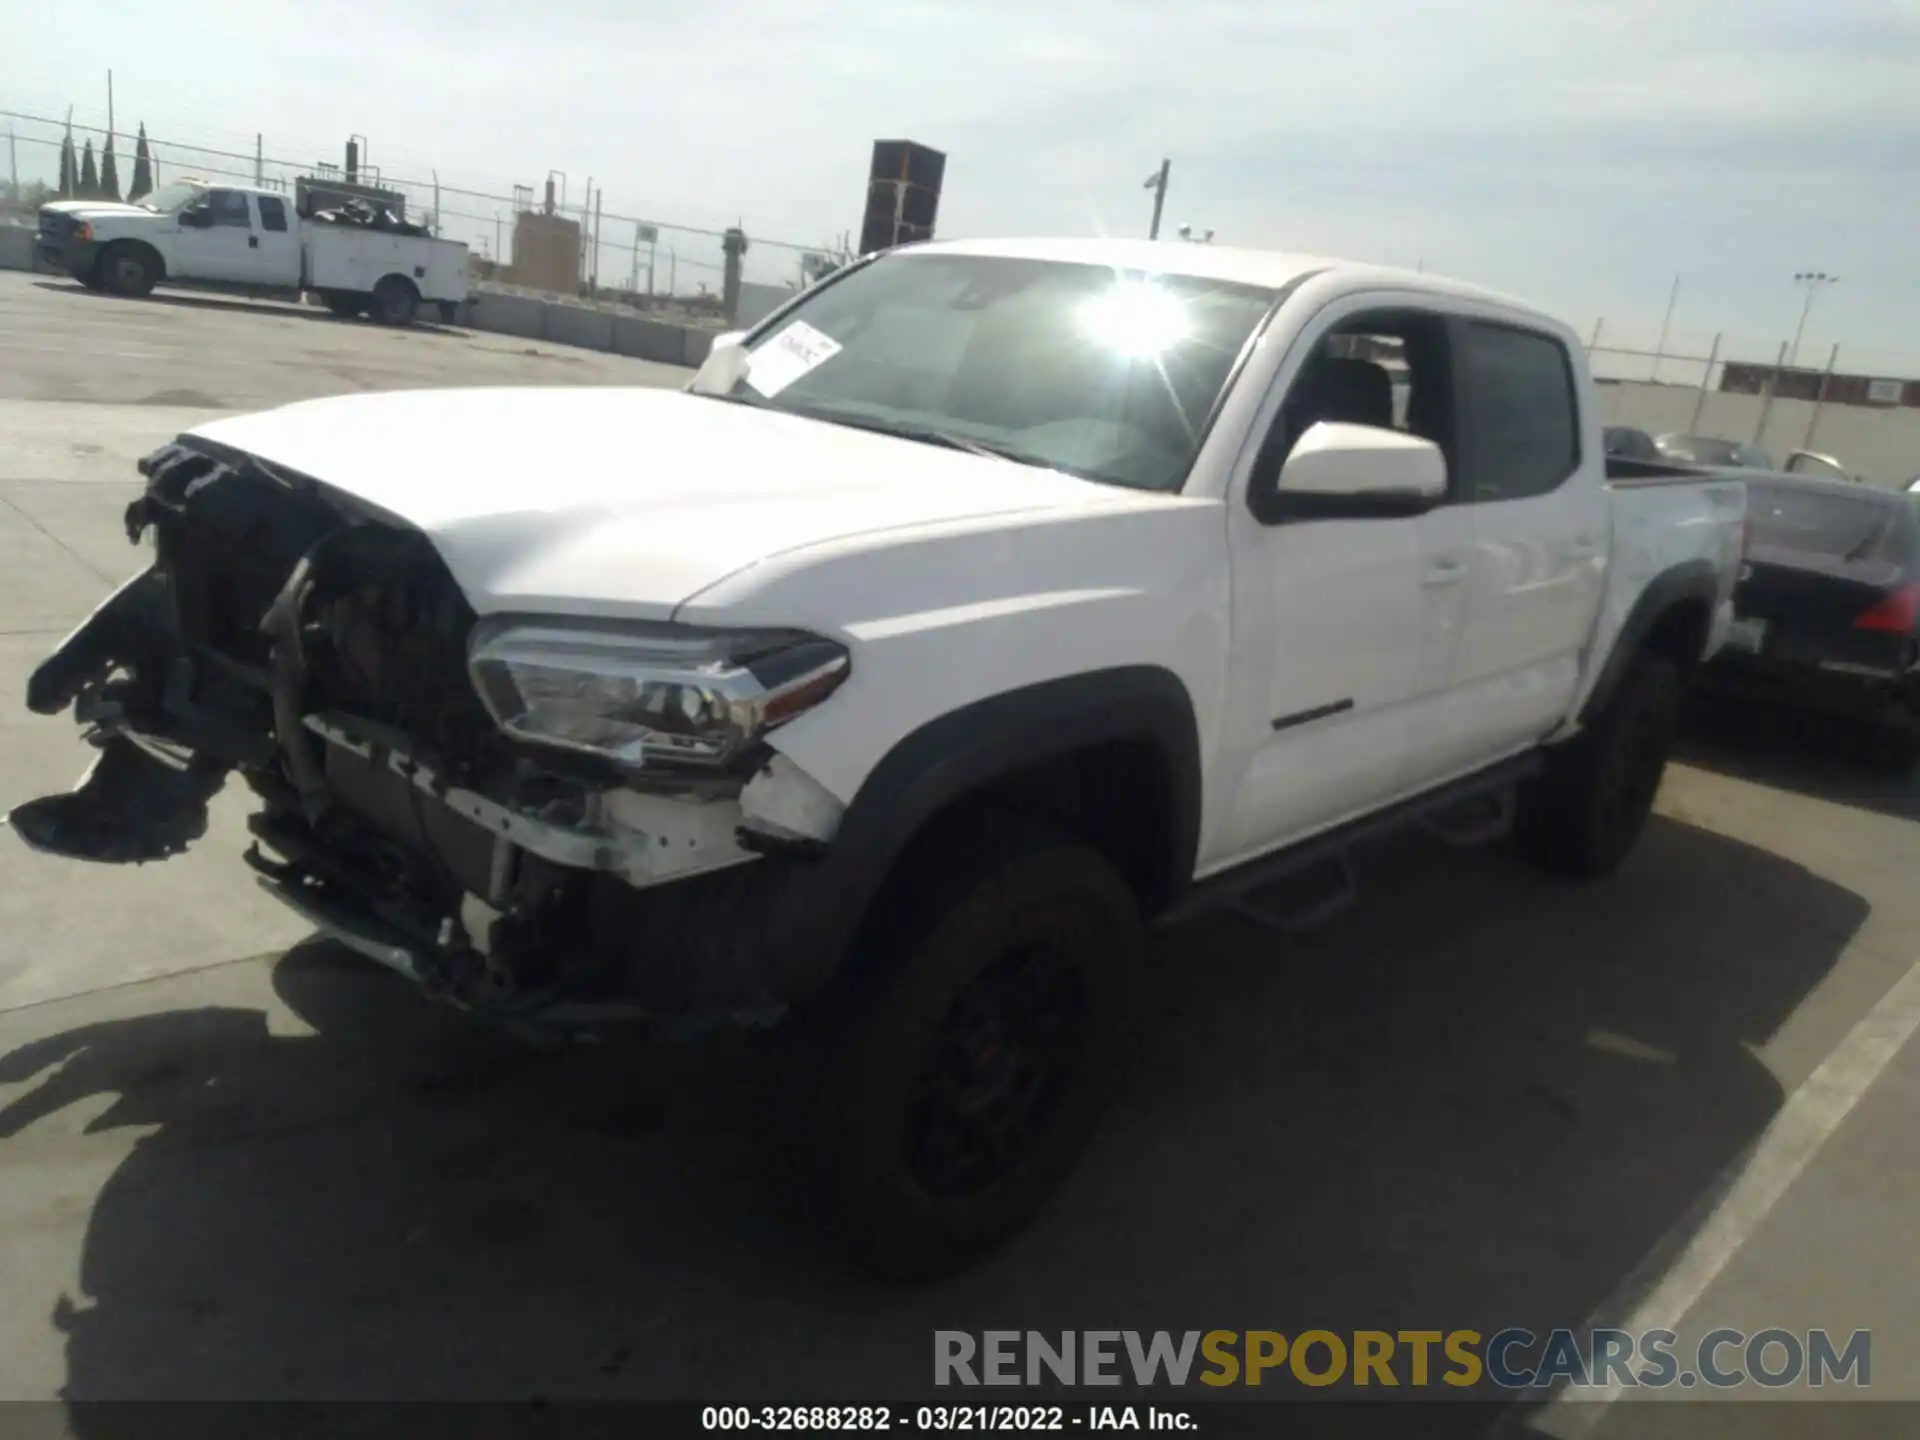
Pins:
x,y
1136,320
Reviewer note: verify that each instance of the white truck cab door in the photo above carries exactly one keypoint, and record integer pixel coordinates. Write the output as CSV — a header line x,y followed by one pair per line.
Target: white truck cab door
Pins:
x,y
1533,478
1344,626
213,243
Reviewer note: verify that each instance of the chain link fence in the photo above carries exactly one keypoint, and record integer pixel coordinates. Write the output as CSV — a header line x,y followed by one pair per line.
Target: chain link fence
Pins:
x,y
650,263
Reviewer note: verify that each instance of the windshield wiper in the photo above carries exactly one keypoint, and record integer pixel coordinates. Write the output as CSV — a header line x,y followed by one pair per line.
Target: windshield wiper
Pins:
x,y
928,435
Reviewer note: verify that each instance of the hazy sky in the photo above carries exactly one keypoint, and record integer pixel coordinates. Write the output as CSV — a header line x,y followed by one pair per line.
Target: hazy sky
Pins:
x,y
1578,154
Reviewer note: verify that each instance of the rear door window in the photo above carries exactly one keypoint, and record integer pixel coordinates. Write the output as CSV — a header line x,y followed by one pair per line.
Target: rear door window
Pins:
x,y
273,213
229,207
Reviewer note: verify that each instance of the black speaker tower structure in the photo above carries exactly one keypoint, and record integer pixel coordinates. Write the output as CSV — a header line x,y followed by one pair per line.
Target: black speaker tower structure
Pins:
x,y
903,194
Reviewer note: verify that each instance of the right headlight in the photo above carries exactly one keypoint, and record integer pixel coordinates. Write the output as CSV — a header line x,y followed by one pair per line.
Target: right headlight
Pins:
x,y
650,694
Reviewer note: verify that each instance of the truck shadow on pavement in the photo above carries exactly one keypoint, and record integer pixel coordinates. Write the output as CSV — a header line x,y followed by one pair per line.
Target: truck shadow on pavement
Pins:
x,y
237,305
1805,754
1477,1101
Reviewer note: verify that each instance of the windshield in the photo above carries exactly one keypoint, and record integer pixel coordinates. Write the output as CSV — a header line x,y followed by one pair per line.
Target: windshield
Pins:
x,y
1104,375
171,196
1817,522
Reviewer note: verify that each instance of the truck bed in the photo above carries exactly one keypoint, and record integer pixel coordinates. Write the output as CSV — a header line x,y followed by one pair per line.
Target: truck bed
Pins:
x,y
354,259
1626,473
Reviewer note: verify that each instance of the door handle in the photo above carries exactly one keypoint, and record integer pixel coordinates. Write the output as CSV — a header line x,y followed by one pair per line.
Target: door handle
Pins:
x,y
1444,572
253,242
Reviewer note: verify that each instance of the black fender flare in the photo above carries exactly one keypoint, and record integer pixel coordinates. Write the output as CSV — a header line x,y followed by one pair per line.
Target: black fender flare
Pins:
x,y
1690,581
963,751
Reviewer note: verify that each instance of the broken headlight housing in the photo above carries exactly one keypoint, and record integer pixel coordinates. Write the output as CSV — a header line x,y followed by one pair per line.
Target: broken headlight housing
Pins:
x,y
650,694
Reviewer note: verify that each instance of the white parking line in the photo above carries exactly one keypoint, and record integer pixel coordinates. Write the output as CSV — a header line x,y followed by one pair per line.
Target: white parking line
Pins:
x,y
1750,1187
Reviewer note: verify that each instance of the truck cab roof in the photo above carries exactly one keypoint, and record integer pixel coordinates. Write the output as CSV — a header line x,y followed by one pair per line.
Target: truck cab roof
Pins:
x,y
1273,269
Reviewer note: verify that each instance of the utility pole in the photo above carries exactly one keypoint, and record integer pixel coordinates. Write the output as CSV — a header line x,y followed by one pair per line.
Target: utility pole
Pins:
x,y
109,104
1157,182
259,158
13,167
1820,400
1767,392
599,199
1706,380
1660,346
1813,280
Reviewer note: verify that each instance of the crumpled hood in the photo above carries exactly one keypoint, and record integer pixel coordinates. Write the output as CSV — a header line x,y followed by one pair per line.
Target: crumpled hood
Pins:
x,y
625,502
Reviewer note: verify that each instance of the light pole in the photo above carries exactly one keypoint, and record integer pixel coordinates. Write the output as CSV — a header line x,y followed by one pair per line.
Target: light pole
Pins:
x,y
1813,280
1157,182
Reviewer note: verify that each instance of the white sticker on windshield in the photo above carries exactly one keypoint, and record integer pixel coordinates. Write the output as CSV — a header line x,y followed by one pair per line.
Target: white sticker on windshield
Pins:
x,y
796,350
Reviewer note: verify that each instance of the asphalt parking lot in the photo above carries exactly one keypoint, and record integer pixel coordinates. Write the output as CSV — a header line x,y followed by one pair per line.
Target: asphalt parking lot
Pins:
x,y
237,1164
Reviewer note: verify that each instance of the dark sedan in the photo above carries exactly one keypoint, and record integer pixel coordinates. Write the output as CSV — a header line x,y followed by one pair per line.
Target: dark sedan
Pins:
x,y
1828,608
1626,442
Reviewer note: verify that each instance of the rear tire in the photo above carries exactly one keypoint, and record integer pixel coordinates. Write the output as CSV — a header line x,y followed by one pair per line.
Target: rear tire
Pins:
x,y
128,270
1583,816
395,302
1897,749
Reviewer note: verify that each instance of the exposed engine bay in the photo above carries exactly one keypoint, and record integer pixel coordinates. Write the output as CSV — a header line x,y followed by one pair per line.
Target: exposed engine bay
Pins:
x,y
291,635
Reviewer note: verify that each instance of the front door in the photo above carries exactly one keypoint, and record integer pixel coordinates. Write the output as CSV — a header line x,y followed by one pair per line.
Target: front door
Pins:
x,y
1345,630
225,249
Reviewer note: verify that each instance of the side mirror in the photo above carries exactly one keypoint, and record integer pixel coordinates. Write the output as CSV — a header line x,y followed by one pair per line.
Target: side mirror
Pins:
x,y
1339,471
724,367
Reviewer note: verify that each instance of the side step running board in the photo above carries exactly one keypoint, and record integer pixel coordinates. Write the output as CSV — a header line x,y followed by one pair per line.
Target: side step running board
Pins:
x,y
1478,820
1267,909
1472,810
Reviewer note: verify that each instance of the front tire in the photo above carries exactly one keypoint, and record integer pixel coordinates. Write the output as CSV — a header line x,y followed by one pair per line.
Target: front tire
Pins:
x,y
1582,818
128,270
995,1017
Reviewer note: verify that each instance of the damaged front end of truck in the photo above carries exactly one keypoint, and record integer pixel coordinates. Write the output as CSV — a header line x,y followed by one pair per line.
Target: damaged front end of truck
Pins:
x,y
542,820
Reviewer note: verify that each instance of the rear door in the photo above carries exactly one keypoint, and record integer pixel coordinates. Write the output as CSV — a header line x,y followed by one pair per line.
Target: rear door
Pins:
x,y
1540,536
275,242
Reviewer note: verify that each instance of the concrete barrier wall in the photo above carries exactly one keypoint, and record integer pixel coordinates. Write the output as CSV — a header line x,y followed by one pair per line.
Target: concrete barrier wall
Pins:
x,y
699,343
581,326
562,322
16,248
649,340
506,315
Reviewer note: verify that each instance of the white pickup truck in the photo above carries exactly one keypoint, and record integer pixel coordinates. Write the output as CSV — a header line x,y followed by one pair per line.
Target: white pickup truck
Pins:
x,y
987,604
248,240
